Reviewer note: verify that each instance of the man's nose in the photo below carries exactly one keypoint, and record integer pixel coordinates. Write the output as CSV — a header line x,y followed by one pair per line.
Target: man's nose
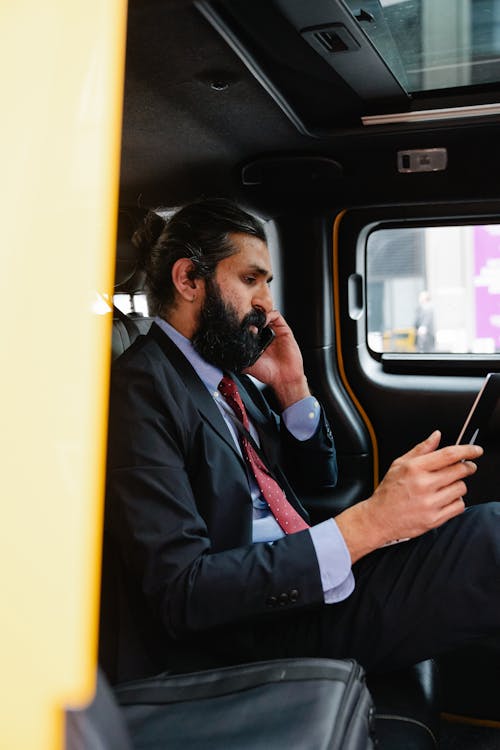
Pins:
x,y
263,300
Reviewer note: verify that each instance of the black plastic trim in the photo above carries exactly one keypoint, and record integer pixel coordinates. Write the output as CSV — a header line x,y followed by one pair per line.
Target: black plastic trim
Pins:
x,y
223,26
353,64
446,364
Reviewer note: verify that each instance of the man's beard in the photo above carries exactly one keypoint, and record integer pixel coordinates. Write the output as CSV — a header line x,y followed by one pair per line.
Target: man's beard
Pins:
x,y
221,338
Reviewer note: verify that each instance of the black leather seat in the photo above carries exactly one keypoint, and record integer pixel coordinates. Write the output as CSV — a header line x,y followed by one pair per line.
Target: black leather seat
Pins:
x,y
126,330
129,280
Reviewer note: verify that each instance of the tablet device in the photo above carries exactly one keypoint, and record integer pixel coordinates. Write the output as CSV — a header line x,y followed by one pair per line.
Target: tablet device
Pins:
x,y
482,426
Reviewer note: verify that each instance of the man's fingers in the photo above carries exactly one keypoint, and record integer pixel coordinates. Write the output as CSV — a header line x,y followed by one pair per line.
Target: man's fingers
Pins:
x,y
434,459
426,446
450,455
452,473
276,320
273,317
452,509
430,458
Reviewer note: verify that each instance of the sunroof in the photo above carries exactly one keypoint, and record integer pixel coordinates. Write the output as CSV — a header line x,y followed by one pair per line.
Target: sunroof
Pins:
x,y
434,44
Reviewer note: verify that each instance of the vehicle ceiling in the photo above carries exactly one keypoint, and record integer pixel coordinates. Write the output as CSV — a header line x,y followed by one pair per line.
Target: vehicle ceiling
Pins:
x,y
195,114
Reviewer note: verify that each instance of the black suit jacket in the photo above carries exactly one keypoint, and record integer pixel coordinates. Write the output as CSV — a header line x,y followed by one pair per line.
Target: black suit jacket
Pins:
x,y
179,560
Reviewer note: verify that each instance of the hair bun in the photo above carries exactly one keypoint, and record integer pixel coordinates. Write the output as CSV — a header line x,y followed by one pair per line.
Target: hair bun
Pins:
x,y
147,235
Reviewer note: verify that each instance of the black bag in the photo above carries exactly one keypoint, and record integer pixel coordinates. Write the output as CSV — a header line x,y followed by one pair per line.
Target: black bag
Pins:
x,y
296,704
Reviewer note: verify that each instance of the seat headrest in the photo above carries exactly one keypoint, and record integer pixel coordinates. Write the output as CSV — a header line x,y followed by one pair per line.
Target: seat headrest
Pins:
x,y
129,277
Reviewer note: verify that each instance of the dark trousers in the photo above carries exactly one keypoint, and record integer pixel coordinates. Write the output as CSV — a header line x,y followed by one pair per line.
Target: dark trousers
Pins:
x,y
411,601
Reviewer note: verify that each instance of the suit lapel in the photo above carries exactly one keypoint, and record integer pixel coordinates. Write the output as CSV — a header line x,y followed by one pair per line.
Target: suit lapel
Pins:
x,y
262,419
197,389
255,414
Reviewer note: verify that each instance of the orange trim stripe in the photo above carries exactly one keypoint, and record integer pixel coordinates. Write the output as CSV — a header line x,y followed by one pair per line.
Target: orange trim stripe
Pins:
x,y
338,344
457,719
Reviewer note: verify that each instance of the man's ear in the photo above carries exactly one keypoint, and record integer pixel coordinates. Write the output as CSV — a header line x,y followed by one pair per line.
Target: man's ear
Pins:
x,y
188,287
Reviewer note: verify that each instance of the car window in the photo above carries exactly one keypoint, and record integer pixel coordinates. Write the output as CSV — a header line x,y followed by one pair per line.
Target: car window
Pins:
x,y
434,289
131,303
428,49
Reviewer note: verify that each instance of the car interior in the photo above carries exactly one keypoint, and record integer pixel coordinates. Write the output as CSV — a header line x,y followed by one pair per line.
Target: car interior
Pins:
x,y
365,136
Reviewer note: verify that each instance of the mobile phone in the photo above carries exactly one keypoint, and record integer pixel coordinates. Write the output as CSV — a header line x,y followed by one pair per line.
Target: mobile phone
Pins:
x,y
266,336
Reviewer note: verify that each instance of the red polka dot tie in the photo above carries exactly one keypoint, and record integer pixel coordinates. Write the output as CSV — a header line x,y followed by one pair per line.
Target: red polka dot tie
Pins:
x,y
287,517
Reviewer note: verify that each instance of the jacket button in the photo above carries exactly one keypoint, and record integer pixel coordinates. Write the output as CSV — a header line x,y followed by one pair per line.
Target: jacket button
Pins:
x,y
271,601
293,595
283,599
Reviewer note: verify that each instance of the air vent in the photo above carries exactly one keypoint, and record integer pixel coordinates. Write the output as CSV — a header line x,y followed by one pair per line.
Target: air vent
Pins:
x,y
331,39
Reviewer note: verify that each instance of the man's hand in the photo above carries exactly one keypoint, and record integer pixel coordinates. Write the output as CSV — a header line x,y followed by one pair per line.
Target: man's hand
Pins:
x,y
422,489
281,365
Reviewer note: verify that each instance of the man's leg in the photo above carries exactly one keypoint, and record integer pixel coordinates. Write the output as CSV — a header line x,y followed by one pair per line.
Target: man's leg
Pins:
x,y
412,600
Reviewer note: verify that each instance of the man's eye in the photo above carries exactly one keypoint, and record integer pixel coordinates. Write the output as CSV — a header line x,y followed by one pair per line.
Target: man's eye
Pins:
x,y
249,279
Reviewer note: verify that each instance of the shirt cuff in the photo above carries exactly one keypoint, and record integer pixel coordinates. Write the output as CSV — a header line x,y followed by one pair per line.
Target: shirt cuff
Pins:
x,y
302,418
334,561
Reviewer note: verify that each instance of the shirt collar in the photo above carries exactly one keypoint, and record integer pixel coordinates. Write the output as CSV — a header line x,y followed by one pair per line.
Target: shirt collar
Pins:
x,y
209,374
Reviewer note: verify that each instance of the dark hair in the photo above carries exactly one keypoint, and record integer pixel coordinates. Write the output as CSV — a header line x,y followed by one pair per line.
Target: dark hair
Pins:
x,y
198,231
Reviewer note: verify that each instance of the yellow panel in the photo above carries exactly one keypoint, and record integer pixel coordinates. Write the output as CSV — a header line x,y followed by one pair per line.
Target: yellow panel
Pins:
x,y
61,81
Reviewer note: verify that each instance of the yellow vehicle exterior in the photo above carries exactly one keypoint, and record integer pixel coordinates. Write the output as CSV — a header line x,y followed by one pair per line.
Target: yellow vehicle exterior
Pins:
x,y
400,340
62,69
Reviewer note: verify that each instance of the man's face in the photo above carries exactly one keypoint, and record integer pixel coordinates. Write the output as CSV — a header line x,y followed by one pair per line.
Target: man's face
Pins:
x,y
235,307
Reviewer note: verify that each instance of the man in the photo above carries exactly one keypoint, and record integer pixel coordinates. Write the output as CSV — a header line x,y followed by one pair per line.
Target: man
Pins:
x,y
424,323
206,561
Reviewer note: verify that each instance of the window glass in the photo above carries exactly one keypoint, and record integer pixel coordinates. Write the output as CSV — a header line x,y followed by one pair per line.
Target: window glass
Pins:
x,y
131,303
434,289
434,44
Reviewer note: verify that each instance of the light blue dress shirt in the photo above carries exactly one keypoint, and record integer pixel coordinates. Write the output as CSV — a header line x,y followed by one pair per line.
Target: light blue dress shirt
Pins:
x,y
301,419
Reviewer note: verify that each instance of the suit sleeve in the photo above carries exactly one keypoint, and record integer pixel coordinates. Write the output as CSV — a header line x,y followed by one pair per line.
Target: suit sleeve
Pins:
x,y
160,508
311,464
